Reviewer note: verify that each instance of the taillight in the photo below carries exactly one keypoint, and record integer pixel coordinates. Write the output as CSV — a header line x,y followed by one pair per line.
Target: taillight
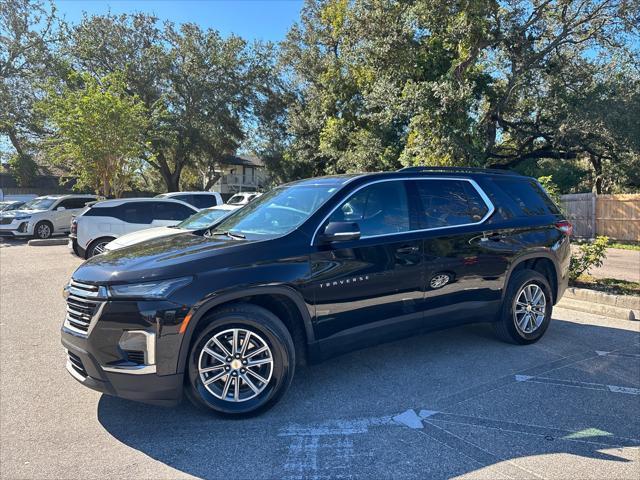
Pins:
x,y
565,227
74,226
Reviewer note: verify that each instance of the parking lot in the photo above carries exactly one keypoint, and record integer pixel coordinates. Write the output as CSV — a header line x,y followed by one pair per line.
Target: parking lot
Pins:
x,y
454,403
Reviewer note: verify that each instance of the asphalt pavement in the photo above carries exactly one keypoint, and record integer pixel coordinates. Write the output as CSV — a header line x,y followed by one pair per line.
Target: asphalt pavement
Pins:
x,y
620,264
455,403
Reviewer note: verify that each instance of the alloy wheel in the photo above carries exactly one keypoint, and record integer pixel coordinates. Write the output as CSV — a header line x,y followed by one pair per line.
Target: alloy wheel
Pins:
x,y
43,231
99,248
235,365
529,308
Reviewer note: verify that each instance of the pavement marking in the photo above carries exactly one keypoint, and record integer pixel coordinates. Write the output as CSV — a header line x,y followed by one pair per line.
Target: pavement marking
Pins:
x,y
589,435
473,451
613,354
409,419
575,384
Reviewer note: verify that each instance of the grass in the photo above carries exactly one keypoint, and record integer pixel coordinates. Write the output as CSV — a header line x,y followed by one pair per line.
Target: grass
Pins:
x,y
607,285
625,245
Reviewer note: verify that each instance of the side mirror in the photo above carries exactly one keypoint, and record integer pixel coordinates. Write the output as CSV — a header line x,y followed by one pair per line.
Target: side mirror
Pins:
x,y
60,209
340,232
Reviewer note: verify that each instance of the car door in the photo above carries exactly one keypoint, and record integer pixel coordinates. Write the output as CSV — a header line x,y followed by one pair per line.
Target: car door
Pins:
x,y
464,268
376,280
61,214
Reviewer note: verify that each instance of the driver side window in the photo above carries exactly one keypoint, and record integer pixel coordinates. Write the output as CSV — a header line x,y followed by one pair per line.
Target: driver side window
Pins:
x,y
378,209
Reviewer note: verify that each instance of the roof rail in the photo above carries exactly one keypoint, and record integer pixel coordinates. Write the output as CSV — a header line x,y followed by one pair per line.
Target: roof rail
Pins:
x,y
458,170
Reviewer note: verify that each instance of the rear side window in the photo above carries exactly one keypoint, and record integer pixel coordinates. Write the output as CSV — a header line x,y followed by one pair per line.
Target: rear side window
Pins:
x,y
203,201
170,211
447,203
528,196
379,209
72,203
131,212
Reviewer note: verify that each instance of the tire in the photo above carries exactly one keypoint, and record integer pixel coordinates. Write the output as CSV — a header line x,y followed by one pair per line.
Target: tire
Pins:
x,y
43,230
97,246
265,330
516,327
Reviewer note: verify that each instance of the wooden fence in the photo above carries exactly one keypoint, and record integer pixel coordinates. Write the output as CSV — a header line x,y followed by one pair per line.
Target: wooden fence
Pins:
x,y
616,216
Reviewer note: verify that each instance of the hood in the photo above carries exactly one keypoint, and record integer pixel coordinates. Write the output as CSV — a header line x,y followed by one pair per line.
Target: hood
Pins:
x,y
172,256
141,236
20,212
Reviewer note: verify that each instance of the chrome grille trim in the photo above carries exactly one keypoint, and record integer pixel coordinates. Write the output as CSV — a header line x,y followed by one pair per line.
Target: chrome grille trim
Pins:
x,y
84,302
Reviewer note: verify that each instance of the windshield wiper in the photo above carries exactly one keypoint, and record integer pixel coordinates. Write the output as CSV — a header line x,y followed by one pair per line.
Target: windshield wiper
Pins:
x,y
231,235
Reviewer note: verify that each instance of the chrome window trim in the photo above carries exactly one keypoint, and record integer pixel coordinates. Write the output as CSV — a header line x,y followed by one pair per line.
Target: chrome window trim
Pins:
x,y
474,184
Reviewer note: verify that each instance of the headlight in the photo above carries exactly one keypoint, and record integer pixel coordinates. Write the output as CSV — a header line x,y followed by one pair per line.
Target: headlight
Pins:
x,y
159,289
23,217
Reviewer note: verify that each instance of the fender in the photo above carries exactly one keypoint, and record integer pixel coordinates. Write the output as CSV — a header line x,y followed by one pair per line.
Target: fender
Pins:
x,y
540,253
211,301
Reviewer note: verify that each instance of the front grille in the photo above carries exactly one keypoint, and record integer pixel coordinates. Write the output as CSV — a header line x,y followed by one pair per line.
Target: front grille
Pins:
x,y
76,364
6,220
82,305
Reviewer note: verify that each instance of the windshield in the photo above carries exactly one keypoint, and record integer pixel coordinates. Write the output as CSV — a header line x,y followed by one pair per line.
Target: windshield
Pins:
x,y
278,212
39,203
203,219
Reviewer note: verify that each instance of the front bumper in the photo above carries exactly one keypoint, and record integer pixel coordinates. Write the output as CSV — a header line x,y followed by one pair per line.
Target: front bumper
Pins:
x,y
17,228
165,390
96,357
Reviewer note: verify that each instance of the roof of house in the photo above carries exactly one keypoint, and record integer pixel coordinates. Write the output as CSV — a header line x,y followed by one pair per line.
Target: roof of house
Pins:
x,y
247,160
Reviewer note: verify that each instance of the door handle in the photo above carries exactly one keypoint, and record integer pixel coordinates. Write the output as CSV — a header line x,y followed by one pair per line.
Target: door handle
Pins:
x,y
495,236
408,250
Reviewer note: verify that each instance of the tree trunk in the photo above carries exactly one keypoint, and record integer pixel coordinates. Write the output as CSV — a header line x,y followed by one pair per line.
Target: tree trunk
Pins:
x,y
596,163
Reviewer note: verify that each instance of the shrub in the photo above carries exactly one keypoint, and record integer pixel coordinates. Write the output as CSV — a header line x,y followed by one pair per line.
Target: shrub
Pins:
x,y
589,255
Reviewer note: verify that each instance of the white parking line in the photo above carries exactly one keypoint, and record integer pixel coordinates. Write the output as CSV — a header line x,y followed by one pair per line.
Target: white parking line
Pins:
x,y
574,384
615,354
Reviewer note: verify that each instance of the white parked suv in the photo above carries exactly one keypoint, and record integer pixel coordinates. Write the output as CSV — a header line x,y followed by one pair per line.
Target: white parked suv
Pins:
x,y
43,217
105,221
199,200
242,198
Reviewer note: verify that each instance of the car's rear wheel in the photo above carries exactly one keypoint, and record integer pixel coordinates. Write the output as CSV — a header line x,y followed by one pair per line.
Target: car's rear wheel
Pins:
x,y
526,309
43,230
242,362
97,246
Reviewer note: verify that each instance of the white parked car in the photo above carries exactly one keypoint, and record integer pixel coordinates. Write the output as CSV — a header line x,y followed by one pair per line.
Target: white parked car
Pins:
x,y
242,198
103,222
203,219
43,217
199,200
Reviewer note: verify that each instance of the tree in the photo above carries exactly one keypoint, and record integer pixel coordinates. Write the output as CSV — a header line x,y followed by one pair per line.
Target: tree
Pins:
x,y
384,83
99,132
28,33
200,90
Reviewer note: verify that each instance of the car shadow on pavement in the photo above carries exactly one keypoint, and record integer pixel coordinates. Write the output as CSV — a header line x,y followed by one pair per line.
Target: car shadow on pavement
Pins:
x,y
467,383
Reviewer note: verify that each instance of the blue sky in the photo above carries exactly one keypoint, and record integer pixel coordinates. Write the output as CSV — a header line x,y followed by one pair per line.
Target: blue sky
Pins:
x,y
251,19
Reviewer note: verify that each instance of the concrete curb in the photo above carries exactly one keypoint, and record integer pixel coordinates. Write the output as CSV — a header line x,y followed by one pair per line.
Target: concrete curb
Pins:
x,y
586,295
49,241
598,309
591,301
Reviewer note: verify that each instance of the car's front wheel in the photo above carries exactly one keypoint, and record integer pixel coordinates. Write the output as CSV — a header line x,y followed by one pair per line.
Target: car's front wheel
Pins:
x,y
43,230
526,309
242,362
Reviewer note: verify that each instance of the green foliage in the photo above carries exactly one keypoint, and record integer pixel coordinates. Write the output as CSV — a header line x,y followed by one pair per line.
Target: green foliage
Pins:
x,y
551,188
591,254
23,168
383,83
99,132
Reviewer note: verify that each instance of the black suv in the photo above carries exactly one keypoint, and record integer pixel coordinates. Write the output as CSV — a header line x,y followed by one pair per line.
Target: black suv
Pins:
x,y
311,269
